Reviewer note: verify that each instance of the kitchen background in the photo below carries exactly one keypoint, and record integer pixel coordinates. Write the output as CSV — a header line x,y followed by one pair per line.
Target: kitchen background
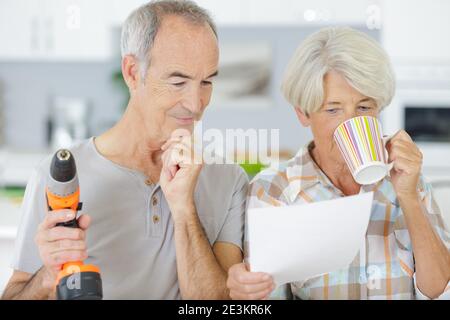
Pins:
x,y
60,78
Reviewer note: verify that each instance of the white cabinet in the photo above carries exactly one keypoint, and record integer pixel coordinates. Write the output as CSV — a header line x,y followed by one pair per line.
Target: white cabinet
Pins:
x,y
416,31
55,30
119,10
289,12
19,29
80,29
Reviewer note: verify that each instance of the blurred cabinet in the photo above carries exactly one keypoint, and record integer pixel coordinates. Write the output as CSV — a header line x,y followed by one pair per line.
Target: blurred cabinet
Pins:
x,y
442,196
417,32
18,29
119,10
55,30
82,30
289,12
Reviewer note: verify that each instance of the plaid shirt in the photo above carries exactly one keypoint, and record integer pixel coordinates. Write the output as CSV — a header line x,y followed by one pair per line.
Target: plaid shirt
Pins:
x,y
384,266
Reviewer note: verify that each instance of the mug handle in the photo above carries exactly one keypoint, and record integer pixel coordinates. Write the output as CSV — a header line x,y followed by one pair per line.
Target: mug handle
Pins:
x,y
385,141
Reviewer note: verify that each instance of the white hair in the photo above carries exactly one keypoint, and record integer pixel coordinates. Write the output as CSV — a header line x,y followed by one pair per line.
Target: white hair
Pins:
x,y
140,28
351,53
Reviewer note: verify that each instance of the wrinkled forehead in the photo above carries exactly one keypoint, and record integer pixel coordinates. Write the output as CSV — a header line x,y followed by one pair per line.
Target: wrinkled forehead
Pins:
x,y
180,43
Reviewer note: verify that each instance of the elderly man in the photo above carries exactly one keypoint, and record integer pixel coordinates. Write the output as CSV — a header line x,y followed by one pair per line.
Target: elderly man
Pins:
x,y
159,226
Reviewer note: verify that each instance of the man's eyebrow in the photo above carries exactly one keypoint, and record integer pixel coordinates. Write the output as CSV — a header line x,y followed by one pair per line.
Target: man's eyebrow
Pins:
x,y
365,100
179,75
213,74
183,75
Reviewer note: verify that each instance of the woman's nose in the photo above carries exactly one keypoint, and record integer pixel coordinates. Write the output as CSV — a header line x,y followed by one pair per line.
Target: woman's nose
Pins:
x,y
350,114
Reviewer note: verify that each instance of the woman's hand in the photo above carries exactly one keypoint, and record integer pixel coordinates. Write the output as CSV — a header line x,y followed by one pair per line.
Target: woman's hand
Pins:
x,y
246,285
431,256
407,160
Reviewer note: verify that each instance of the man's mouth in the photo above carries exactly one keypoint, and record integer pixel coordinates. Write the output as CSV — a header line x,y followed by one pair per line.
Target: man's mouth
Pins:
x,y
184,121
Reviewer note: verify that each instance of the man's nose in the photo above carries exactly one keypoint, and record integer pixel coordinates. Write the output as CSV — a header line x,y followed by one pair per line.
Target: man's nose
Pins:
x,y
193,101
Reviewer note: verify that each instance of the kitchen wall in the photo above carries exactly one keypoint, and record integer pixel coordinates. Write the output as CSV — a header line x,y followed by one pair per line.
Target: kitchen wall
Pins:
x,y
45,54
70,48
30,87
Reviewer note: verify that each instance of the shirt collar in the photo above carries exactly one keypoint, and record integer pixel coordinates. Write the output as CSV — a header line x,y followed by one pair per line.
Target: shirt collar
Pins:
x,y
303,173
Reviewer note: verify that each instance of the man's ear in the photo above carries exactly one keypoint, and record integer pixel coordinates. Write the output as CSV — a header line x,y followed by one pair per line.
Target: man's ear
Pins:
x,y
302,117
130,72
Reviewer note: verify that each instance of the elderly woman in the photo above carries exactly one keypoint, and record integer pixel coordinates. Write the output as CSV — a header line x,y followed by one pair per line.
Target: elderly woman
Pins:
x,y
337,74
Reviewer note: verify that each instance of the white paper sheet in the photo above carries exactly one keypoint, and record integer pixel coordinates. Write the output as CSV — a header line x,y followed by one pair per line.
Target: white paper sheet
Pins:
x,y
294,243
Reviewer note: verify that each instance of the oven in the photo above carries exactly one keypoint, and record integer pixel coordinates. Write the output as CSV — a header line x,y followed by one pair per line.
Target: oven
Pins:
x,y
425,114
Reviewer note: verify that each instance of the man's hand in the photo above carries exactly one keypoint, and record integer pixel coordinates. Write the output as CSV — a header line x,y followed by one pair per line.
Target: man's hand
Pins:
x,y
58,245
179,174
246,285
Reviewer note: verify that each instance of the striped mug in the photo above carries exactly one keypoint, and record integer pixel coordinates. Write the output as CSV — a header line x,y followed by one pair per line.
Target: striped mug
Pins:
x,y
362,145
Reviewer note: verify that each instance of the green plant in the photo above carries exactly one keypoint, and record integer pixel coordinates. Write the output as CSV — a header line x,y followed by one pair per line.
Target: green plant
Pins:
x,y
252,169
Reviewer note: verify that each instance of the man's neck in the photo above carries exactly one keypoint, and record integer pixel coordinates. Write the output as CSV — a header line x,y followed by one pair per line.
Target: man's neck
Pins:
x,y
129,145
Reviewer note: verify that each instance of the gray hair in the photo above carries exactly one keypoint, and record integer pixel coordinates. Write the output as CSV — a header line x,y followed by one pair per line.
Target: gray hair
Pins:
x,y
351,53
141,26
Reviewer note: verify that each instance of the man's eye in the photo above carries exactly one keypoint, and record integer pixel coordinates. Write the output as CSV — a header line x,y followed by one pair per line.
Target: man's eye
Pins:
x,y
364,108
206,83
179,84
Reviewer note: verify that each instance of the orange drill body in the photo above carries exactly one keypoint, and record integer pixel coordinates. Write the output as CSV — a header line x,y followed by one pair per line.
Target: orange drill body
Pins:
x,y
56,202
75,280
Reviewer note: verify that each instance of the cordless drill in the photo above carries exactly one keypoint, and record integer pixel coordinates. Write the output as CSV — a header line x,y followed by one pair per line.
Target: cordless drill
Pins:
x,y
75,281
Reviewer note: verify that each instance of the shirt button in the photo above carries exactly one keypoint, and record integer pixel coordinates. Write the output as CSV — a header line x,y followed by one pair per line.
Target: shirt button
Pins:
x,y
155,219
154,201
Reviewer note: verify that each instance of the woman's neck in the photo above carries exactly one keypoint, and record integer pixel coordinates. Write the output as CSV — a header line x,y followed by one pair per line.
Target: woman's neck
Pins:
x,y
337,171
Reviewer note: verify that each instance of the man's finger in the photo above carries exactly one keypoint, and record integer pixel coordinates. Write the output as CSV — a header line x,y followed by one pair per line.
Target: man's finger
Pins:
x,y
176,156
52,218
169,142
180,132
170,164
60,233
68,255
184,138
66,245
84,221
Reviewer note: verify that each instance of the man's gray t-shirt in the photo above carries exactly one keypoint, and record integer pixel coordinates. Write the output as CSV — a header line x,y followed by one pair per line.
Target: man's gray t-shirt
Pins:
x,y
131,237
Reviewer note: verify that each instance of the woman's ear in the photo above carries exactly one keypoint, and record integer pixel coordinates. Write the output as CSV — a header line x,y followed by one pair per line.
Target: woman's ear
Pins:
x,y
302,117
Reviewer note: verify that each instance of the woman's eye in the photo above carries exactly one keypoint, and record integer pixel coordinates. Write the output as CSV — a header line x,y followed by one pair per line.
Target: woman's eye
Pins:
x,y
178,84
364,108
331,111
